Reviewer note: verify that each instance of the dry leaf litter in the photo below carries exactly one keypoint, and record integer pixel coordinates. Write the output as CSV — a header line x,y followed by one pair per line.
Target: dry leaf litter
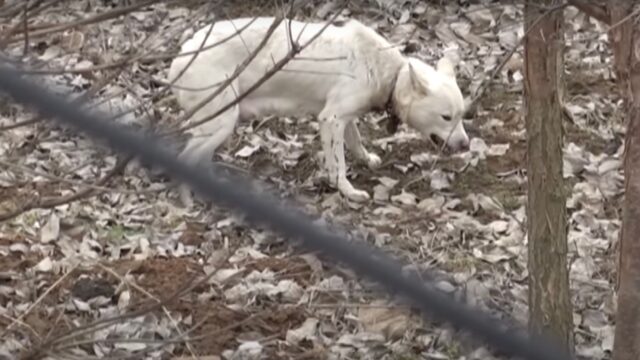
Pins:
x,y
457,219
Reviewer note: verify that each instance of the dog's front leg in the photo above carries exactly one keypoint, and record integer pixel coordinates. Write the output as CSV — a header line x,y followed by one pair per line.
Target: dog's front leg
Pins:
x,y
353,140
332,130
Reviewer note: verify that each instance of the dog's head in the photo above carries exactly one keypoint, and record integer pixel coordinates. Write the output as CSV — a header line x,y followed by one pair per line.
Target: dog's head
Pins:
x,y
429,100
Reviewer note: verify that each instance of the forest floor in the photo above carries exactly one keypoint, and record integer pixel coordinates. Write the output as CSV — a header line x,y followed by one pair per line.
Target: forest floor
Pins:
x,y
458,218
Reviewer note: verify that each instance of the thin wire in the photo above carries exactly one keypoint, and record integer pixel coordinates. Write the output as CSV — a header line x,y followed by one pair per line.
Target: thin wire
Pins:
x,y
260,209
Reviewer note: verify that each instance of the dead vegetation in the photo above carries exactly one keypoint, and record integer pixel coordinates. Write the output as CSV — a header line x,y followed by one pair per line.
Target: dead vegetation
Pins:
x,y
126,246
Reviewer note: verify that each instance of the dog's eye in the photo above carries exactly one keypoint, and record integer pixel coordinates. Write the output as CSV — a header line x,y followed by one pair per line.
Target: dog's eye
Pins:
x,y
446,117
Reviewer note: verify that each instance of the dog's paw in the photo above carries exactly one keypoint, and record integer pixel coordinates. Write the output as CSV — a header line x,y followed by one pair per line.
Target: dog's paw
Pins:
x,y
356,195
186,199
347,190
373,160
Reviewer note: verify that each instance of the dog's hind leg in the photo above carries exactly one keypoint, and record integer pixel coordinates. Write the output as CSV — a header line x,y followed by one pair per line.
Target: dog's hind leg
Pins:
x,y
208,137
354,144
332,131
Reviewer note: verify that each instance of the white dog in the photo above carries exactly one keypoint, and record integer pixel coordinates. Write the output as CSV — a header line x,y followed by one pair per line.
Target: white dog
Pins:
x,y
344,73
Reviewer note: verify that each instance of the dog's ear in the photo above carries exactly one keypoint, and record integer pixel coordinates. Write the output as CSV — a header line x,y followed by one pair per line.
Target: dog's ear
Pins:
x,y
416,83
450,59
447,67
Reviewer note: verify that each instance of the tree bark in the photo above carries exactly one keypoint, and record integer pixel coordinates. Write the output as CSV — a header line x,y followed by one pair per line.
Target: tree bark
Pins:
x,y
626,45
620,38
550,310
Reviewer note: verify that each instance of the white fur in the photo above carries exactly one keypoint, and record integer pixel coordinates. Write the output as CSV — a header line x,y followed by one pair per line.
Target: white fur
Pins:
x,y
344,73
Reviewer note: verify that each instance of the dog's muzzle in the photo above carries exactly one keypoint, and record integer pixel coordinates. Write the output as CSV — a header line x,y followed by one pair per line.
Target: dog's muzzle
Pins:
x,y
436,140
455,145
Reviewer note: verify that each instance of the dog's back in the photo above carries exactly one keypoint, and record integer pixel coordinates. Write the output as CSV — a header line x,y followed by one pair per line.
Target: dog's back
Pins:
x,y
332,56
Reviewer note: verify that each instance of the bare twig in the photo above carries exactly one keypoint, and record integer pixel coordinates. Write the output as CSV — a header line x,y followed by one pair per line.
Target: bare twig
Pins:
x,y
168,85
143,57
119,65
25,24
237,32
625,19
82,194
181,338
151,296
32,9
36,303
90,20
471,109
85,96
193,58
95,187
239,69
276,67
596,11
58,343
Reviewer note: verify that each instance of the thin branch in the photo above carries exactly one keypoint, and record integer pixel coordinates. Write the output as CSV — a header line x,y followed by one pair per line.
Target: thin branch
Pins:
x,y
485,85
239,69
596,11
625,19
85,96
62,200
119,65
59,341
33,9
143,58
25,24
193,58
18,320
90,20
27,170
277,67
123,280
210,46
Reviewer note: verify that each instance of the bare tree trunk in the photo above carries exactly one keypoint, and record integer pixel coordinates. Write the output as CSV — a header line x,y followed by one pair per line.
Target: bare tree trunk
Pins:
x,y
550,310
620,37
625,37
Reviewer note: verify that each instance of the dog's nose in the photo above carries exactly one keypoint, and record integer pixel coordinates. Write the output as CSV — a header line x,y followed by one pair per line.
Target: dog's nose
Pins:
x,y
463,144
